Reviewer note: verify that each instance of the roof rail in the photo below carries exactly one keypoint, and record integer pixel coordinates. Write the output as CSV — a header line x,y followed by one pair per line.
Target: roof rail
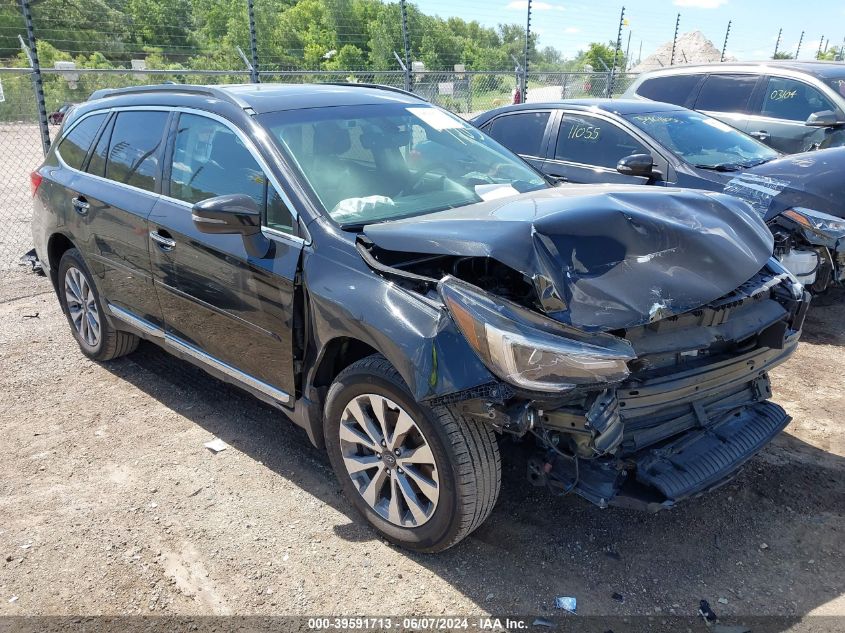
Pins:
x,y
209,91
376,86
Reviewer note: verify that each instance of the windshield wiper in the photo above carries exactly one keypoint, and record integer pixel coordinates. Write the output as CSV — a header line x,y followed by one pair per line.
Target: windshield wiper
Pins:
x,y
754,163
722,167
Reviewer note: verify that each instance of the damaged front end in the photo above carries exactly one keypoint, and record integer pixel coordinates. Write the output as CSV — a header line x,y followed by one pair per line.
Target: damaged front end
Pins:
x,y
633,347
643,416
811,245
800,197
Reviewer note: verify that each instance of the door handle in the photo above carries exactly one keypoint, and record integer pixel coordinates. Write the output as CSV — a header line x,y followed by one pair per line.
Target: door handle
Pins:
x,y
164,242
761,134
80,205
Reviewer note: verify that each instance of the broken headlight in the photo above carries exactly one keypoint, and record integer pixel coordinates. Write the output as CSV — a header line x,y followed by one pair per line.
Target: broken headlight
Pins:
x,y
816,221
529,350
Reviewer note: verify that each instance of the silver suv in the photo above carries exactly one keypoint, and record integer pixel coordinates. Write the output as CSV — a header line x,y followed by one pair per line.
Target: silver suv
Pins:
x,y
791,106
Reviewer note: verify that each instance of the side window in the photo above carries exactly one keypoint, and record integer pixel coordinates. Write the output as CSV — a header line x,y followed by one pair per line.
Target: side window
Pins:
x,y
97,164
792,100
136,142
74,147
210,160
726,93
591,141
521,133
675,89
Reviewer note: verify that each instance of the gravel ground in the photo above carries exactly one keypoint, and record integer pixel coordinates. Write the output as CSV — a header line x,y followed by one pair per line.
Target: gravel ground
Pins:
x,y
111,504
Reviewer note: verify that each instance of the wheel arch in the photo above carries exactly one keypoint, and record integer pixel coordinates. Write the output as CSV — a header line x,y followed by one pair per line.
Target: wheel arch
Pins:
x,y
57,245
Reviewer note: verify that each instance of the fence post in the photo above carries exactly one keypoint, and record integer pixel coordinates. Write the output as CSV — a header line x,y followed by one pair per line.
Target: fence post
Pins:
x,y
253,44
819,53
612,73
777,44
37,83
800,41
675,40
725,45
525,53
406,43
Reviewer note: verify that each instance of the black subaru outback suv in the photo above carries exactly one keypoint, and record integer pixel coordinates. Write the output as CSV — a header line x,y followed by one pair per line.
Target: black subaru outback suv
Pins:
x,y
405,289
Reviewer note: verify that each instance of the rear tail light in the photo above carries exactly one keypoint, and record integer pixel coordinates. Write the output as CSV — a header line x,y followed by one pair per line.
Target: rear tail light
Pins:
x,y
35,181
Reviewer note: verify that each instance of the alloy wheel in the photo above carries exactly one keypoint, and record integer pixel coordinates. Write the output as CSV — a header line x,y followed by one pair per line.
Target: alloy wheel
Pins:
x,y
82,306
389,460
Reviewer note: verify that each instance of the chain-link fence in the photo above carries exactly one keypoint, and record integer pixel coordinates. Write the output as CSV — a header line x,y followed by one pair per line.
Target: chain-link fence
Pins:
x,y
465,93
20,152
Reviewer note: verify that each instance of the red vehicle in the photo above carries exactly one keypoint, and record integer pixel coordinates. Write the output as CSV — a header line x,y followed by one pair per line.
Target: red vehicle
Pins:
x,y
56,118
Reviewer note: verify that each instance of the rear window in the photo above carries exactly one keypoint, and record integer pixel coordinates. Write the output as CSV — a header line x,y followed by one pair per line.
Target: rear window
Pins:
x,y
674,89
726,93
74,147
521,133
135,148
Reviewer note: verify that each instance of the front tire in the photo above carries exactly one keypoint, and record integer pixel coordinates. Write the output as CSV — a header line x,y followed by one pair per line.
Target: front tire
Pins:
x,y
81,304
423,477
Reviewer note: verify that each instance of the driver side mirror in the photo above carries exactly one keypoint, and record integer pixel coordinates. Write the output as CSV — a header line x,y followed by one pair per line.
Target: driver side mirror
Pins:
x,y
232,213
636,165
825,118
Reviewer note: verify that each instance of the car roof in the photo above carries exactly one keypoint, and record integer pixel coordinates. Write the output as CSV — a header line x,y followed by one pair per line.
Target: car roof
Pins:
x,y
613,106
822,69
260,98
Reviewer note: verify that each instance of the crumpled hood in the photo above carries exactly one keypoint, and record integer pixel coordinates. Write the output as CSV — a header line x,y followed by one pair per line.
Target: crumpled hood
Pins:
x,y
602,257
813,180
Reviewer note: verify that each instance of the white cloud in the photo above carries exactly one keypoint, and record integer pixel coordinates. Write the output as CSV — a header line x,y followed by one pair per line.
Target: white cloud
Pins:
x,y
701,4
571,29
522,5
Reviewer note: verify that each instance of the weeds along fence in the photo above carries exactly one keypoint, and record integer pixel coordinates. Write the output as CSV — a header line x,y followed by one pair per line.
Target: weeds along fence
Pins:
x,y
465,93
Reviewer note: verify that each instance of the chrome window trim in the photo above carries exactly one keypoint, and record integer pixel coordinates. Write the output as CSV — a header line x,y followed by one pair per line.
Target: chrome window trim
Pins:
x,y
169,340
250,146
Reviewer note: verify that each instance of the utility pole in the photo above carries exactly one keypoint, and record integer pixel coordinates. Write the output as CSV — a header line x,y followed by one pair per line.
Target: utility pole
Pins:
x,y
819,53
406,42
525,53
800,41
37,84
777,44
675,40
725,45
253,43
628,51
615,54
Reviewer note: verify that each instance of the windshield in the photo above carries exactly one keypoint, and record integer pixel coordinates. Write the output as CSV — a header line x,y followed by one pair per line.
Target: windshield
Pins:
x,y
373,163
702,140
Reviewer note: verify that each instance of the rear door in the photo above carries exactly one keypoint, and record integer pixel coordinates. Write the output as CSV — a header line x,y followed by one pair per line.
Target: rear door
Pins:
x,y
785,105
588,148
727,97
525,132
229,308
126,167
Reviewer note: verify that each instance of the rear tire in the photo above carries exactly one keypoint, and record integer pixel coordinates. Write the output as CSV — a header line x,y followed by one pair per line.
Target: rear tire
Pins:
x,y
445,492
81,304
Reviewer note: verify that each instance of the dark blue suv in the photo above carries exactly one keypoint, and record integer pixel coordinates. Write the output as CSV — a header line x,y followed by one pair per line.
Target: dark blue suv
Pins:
x,y
406,289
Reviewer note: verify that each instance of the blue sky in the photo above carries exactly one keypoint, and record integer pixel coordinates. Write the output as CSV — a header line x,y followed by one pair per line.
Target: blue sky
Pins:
x,y
570,25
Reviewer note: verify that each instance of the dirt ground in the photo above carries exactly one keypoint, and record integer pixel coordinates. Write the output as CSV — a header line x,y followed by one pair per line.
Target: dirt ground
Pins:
x,y
110,504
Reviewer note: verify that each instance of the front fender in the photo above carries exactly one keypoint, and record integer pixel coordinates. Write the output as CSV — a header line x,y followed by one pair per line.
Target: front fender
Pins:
x,y
418,337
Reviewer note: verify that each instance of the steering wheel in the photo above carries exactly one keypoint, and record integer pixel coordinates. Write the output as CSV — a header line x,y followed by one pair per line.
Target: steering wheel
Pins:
x,y
422,172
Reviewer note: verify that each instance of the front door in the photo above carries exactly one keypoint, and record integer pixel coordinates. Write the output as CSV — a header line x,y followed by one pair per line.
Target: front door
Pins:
x,y
780,122
222,304
588,149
